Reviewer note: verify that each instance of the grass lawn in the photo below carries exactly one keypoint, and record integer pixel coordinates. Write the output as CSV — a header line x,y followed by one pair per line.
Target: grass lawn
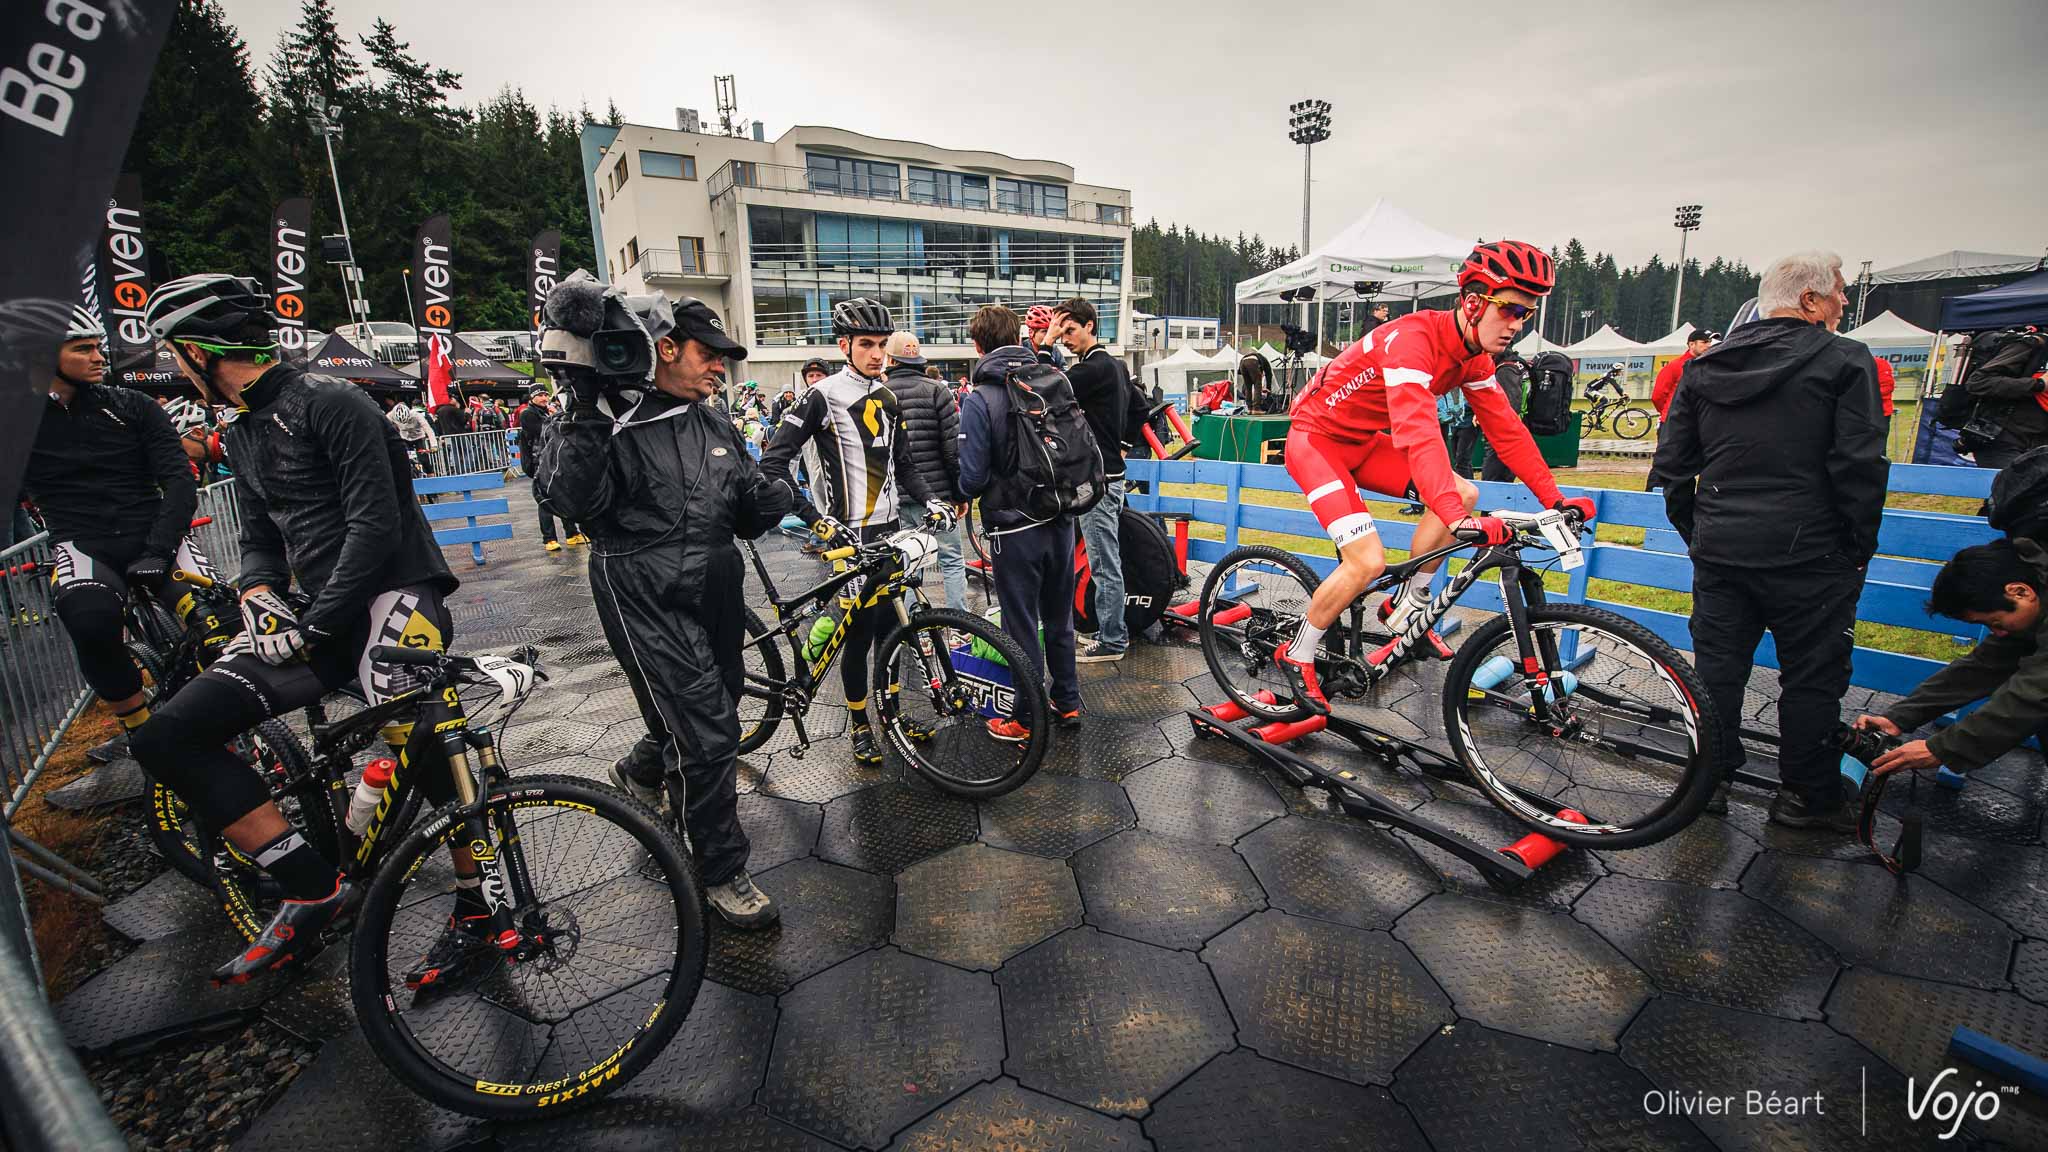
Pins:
x,y
1884,637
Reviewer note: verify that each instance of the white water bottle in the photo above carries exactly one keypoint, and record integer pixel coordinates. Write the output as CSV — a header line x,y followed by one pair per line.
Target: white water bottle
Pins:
x,y
1495,671
362,804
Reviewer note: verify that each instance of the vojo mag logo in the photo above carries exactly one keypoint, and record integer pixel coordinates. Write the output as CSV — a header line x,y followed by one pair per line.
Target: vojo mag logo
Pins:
x,y
1953,1105
290,304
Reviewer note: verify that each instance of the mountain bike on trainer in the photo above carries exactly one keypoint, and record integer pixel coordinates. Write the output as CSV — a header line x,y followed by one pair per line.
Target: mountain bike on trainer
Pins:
x,y
1549,707
932,671
593,948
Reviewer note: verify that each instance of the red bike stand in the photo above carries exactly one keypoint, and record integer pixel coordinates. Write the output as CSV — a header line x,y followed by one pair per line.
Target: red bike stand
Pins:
x,y
1502,868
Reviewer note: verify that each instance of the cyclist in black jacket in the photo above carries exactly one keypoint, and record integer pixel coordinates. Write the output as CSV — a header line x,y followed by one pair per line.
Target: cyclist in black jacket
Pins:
x,y
115,489
324,488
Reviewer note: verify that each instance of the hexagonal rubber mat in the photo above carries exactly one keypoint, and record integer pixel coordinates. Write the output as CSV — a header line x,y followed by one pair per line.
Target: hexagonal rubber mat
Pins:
x,y
1349,873
596,769
1004,1116
890,826
532,741
1908,1022
160,990
713,1066
828,914
1338,1000
2030,970
826,773
1978,813
1204,802
316,1006
1908,925
1056,815
1475,1090
1721,947
1164,891
1135,699
1558,882
1696,1053
1108,1023
166,905
1534,973
778,830
871,1045
1104,750
347,1092
977,906
115,783
1709,852
2007,881
1240,1100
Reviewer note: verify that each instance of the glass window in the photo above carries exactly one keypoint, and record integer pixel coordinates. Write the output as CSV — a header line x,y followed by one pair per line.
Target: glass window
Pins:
x,y
776,236
1031,198
691,249
956,189
619,174
960,246
1111,214
668,165
781,315
632,253
845,176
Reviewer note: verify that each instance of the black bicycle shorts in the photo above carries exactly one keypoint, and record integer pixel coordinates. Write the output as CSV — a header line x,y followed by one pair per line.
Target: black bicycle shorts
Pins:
x,y
89,593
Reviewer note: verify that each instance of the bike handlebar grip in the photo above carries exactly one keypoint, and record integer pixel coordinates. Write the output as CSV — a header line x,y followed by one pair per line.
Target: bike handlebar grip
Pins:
x,y
180,576
841,553
424,657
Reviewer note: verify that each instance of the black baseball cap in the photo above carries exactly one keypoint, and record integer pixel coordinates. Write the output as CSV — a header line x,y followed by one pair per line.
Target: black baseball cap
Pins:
x,y
696,321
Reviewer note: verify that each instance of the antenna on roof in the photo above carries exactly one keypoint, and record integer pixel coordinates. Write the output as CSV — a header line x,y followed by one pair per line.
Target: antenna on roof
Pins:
x,y
728,106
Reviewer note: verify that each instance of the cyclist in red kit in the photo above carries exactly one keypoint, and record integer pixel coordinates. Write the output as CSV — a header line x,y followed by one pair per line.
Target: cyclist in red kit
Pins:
x,y
1368,420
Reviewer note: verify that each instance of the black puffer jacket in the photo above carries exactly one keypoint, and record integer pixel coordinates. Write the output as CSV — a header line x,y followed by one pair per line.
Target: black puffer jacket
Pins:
x,y
110,466
1773,452
324,487
931,430
661,493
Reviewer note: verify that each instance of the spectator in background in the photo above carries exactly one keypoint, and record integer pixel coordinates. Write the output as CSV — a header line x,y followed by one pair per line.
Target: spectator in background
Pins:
x,y
1511,372
451,420
1460,431
1999,585
417,432
930,427
1773,471
1103,388
815,370
1667,376
931,372
533,422
1376,316
781,405
2008,390
1034,563
1886,381
1039,335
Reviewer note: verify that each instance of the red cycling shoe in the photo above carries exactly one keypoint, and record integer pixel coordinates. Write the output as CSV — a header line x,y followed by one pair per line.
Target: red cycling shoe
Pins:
x,y
1302,678
291,934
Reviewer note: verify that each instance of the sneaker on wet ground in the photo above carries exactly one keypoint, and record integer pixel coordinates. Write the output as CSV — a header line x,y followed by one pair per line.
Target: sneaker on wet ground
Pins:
x,y
742,903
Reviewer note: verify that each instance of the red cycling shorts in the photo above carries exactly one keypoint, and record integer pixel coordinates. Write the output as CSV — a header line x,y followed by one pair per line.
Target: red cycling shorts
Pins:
x,y
1330,473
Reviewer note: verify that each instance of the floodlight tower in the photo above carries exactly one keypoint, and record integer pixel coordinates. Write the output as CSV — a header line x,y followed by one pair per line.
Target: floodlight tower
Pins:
x,y
1308,125
1687,221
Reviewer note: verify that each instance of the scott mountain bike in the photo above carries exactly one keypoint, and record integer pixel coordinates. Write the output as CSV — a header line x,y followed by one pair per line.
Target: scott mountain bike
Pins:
x,y
940,674
1551,708
1612,406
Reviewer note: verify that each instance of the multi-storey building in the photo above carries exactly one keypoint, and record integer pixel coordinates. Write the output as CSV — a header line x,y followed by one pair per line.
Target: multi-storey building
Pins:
x,y
771,234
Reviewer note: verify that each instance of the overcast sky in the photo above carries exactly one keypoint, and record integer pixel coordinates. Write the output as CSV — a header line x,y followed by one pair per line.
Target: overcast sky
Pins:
x,y
1886,130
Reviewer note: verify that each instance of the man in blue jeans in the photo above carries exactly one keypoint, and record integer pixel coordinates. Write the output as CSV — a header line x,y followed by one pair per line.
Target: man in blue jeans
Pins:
x,y
1103,388
1034,562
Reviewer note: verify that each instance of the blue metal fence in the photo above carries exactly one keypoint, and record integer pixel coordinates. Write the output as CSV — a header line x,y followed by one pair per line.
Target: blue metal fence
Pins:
x,y
1913,545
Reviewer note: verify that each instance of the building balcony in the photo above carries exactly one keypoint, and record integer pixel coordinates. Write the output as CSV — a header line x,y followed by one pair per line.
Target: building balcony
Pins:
x,y
668,265
735,174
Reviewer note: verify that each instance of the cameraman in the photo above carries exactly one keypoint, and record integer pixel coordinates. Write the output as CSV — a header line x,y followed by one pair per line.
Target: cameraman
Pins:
x,y
2009,391
2000,585
661,484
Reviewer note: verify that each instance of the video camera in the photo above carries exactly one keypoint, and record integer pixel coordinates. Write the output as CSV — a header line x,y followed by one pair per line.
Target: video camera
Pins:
x,y
1299,340
591,332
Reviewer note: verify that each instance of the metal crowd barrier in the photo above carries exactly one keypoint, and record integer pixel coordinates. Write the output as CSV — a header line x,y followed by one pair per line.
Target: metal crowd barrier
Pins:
x,y
41,688
468,452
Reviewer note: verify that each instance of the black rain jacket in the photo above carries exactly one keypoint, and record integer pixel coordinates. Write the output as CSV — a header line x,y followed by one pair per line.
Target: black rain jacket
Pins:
x,y
110,466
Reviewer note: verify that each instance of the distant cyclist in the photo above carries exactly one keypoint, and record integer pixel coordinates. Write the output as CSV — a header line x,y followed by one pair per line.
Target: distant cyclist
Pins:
x,y
848,429
1369,420
117,492
324,489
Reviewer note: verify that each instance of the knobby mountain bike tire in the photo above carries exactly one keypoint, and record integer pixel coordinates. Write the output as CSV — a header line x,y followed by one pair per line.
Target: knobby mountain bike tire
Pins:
x,y
760,702
972,663
1631,423
1637,758
615,895
1239,653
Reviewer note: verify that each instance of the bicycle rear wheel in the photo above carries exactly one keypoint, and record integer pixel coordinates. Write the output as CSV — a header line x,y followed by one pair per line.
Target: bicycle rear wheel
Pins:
x,y
1252,604
1631,423
1629,745
760,702
943,677
607,960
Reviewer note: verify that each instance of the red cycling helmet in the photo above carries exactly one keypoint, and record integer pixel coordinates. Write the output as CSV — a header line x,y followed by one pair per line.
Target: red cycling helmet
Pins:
x,y
1039,318
1509,264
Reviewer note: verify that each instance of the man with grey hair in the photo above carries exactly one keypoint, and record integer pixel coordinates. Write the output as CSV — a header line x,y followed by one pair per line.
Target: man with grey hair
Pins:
x,y
1773,469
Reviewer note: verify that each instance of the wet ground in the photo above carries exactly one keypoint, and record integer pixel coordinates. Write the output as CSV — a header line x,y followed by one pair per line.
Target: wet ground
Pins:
x,y
1158,943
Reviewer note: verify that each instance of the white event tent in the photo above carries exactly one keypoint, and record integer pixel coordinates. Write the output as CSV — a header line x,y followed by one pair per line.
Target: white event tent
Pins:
x,y
1386,247
1906,345
1170,375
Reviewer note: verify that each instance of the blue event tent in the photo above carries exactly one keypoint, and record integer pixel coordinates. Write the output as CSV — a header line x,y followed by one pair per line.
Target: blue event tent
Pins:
x,y
2020,302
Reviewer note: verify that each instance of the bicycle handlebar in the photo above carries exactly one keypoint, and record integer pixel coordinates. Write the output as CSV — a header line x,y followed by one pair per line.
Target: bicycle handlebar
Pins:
x,y
845,553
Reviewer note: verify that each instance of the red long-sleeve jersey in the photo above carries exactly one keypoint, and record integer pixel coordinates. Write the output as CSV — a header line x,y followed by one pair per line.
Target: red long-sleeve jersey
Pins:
x,y
1388,383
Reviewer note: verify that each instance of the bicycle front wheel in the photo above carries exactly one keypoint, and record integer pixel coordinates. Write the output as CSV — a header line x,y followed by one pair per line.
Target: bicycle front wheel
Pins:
x,y
1627,743
1631,423
603,962
1252,604
945,677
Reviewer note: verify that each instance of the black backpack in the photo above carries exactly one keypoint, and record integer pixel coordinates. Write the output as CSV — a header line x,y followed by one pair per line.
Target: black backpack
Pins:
x,y
2014,352
1052,467
1550,394
2019,496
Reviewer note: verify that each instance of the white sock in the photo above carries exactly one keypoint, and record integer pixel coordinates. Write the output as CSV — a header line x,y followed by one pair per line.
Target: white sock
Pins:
x,y
1417,587
1303,650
